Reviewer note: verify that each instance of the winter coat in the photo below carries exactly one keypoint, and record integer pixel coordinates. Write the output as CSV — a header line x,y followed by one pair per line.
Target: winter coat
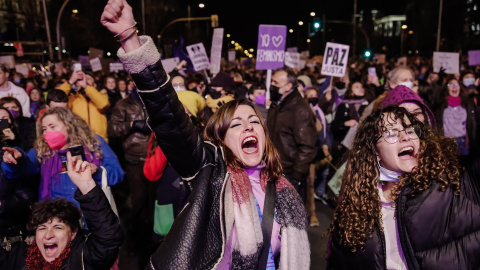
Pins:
x,y
90,105
197,239
95,249
292,127
437,230
134,138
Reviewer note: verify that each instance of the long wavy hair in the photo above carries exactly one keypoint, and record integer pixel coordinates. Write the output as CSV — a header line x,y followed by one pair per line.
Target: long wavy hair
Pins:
x,y
463,93
358,207
79,133
217,127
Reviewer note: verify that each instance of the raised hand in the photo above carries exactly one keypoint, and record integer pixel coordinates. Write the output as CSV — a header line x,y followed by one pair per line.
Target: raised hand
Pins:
x,y
11,155
117,17
80,173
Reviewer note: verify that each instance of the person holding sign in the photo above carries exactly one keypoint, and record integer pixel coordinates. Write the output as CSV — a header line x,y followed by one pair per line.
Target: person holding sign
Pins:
x,y
234,174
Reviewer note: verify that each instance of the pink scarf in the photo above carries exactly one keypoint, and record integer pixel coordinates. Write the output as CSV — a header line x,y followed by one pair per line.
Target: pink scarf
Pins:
x,y
454,101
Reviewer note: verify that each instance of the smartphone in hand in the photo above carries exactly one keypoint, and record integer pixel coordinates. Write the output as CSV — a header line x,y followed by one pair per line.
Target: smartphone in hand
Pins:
x,y
372,71
77,66
76,151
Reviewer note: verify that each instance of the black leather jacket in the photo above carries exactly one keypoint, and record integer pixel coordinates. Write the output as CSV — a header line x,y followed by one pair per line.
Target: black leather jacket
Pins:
x,y
437,230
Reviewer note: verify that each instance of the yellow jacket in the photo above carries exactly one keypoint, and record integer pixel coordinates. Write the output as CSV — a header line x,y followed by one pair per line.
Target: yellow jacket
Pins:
x,y
92,111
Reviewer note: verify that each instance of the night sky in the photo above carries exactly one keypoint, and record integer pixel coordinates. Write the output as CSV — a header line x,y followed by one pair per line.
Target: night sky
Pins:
x,y
241,18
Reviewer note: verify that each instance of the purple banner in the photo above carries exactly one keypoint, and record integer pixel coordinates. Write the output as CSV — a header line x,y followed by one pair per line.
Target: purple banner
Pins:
x,y
271,46
473,58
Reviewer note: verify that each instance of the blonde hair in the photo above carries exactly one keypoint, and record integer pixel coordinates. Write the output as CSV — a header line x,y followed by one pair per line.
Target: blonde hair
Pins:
x,y
79,133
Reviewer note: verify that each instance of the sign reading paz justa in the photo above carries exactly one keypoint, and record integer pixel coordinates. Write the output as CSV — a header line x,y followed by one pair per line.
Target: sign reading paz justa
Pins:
x,y
335,59
199,57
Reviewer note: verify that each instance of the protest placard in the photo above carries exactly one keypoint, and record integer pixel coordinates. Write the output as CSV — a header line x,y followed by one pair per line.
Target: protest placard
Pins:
x,y
305,54
83,59
292,49
449,61
271,46
115,67
198,55
96,64
23,69
8,61
170,64
231,56
474,58
216,50
292,59
335,59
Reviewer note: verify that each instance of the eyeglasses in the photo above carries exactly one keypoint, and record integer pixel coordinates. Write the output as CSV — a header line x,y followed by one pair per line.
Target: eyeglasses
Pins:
x,y
393,135
453,85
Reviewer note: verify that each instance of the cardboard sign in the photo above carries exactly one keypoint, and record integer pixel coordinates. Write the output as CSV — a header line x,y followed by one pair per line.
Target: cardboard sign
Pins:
x,y
305,54
23,69
8,61
301,64
96,64
449,61
216,50
115,67
292,49
170,64
473,58
271,46
93,53
292,59
335,59
199,57
231,56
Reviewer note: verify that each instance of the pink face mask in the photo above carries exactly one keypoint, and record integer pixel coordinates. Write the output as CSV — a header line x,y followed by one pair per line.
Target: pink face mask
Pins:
x,y
55,139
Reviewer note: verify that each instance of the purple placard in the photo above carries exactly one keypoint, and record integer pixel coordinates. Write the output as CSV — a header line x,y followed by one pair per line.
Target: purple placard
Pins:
x,y
271,46
473,58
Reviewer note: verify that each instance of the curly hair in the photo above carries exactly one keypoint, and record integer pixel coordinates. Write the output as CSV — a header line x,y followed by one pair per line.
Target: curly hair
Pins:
x,y
217,127
358,208
67,212
79,133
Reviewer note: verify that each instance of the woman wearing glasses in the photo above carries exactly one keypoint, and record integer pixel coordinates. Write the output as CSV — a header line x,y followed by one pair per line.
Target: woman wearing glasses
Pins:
x,y
456,117
404,202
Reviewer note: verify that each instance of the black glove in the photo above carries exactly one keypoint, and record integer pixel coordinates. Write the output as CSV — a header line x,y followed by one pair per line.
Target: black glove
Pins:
x,y
141,127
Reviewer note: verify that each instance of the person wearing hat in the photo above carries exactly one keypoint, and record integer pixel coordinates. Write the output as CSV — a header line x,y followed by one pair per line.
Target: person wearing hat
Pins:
x,y
221,88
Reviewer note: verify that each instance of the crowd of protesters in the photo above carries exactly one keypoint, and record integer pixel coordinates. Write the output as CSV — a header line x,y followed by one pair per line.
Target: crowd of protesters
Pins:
x,y
313,129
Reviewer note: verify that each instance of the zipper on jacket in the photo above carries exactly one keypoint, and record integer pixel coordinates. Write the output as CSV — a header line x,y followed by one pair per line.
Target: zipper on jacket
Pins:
x,y
221,220
381,236
404,242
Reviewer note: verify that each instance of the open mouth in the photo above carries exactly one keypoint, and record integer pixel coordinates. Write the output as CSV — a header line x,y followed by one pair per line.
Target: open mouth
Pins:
x,y
406,153
250,145
50,249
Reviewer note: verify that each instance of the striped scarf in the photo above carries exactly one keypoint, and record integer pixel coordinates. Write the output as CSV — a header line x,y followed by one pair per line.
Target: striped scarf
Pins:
x,y
241,210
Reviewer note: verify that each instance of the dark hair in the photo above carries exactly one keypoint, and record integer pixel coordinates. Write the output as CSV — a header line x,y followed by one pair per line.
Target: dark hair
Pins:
x,y
291,77
255,86
463,93
5,100
41,99
349,93
216,130
4,68
67,212
56,95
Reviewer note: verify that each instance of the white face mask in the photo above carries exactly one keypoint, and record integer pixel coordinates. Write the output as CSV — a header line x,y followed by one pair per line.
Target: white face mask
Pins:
x,y
468,81
407,84
179,88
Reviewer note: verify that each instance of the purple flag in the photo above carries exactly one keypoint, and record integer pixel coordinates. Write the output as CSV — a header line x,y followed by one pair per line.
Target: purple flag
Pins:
x,y
271,46
473,58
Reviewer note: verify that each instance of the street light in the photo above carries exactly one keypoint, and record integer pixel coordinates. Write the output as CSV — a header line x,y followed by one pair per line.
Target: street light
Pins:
x,y
404,26
201,5
300,23
75,11
312,14
290,31
402,37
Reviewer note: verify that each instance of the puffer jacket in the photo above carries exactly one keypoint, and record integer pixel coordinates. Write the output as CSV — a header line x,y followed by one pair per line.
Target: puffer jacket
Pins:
x,y
291,125
95,249
437,230
134,138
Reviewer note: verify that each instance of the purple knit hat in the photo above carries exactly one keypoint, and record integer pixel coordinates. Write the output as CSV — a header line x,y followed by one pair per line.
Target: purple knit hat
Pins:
x,y
402,94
